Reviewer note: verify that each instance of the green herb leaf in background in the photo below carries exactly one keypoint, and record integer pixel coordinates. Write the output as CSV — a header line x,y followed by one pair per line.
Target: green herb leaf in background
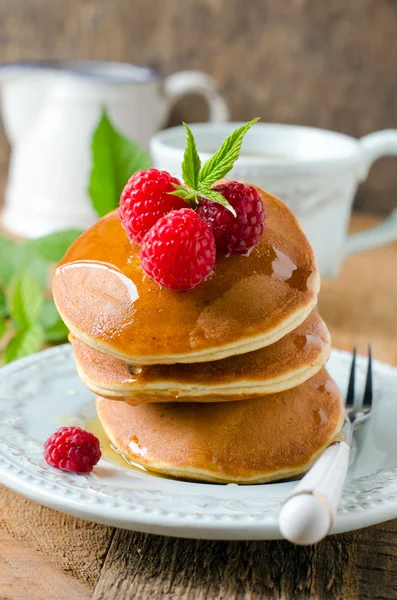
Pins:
x,y
15,255
223,160
191,164
3,305
55,330
3,326
49,314
52,247
12,255
58,332
25,341
24,299
115,158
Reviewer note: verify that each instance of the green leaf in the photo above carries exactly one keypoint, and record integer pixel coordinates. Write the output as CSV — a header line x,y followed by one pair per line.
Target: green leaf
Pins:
x,y
38,269
115,158
3,306
184,193
12,256
54,328
57,332
3,327
191,164
216,197
24,299
222,161
17,255
52,247
49,314
25,342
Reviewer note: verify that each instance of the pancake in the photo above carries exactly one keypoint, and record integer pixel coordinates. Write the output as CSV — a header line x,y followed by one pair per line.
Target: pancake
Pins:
x,y
252,441
249,302
285,364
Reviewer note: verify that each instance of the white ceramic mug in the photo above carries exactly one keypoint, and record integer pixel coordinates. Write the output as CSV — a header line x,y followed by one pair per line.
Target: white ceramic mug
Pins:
x,y
50,110
316,172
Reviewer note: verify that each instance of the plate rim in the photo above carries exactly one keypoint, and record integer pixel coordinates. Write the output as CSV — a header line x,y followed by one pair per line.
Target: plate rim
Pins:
x,y
189,525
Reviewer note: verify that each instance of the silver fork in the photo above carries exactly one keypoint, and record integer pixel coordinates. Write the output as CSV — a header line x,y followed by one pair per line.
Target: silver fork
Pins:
x,y
307,515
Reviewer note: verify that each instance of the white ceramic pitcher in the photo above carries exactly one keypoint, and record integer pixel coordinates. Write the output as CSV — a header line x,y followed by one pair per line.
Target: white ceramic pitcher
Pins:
x,y
50,110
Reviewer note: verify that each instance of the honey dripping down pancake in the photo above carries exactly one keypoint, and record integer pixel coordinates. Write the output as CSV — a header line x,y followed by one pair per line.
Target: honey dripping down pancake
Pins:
x,y
249,302
285,364
251,441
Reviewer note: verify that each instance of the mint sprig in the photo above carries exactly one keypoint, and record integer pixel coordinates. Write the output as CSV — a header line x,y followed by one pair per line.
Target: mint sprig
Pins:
x,y
191,164
28,316
198,180
24,299
114,159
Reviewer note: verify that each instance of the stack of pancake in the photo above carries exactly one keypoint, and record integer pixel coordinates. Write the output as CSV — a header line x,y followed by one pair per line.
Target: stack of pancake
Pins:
x,y
222,383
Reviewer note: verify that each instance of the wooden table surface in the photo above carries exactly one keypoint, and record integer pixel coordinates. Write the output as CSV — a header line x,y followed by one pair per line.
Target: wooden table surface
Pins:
x,y
48,555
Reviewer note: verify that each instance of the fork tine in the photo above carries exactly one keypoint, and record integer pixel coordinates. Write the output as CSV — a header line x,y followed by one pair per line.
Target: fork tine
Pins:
x,y
367,399
350,389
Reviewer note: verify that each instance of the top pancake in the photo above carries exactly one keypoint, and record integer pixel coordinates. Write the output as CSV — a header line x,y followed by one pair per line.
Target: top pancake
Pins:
x,y
249,302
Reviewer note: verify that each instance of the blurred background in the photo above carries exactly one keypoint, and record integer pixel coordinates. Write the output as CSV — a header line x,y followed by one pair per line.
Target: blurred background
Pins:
x,y
308,62
311,62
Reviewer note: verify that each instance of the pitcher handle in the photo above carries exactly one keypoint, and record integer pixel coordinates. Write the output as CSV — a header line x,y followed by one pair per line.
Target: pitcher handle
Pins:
x,y
195,82
374,146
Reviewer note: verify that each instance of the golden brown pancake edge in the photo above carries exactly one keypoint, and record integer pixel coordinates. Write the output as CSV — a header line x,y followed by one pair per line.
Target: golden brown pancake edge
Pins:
x,y
252,441
287,363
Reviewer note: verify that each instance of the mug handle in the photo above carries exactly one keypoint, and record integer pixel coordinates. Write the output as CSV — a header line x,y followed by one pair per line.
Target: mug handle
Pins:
x,y
374,146
196,82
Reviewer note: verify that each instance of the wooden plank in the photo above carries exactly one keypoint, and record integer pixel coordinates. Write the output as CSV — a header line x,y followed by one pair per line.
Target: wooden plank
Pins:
x,y
75,546
144,567
25,573
376,562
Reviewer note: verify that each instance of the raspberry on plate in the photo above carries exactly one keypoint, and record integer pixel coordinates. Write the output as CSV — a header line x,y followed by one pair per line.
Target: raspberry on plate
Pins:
x,y
145,199
72,449
179,250
240,233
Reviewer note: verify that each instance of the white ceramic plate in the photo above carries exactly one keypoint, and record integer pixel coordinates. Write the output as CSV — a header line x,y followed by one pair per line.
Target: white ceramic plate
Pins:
x,y
39,392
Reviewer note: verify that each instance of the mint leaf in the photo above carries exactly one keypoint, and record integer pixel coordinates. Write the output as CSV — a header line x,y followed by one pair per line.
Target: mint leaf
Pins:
x,y
25,341
54,328
12,256
56,333
3,307
37,268
191,164
16,255
3,327
216,197
52,247
115,158
222,161
24,299
49,315
184,193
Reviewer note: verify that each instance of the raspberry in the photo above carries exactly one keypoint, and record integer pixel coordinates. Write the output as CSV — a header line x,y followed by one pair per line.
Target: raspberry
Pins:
x,y
179,250
240,233
145,199
72,449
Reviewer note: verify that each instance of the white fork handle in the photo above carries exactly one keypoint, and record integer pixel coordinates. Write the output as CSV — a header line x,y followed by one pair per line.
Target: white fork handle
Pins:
x,y
306,516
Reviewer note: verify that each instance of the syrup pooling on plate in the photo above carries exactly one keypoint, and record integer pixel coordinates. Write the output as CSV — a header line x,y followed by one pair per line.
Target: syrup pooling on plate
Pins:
x,y
247,296
109,452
